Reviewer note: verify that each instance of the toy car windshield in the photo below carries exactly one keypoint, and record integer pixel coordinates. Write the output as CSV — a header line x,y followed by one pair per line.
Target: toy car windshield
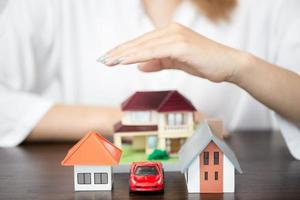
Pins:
x,y
146,171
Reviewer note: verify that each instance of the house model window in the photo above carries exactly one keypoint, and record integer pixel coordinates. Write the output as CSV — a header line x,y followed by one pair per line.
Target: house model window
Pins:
x,y
175,119
140,116
216,158
84,178
206,176
101,178
152,141
216,176
206,158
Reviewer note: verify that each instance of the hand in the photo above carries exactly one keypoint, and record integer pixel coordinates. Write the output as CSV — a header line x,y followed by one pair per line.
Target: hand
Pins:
x,y
177,47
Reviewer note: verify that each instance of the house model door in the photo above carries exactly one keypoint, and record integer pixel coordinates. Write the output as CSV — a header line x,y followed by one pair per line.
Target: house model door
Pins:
x,y
173,144
211,169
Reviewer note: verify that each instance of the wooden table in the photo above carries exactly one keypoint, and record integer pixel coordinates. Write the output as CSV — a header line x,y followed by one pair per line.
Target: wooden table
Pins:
x,y
33,171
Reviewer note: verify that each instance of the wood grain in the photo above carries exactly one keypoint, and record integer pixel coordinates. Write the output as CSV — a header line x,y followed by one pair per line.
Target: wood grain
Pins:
x,y
33,171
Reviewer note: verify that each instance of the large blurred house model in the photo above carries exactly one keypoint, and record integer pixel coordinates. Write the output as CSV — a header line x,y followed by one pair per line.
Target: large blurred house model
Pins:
x,y
156,120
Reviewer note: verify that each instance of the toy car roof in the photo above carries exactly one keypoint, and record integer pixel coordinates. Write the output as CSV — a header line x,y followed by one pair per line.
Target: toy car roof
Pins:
x,y
146,163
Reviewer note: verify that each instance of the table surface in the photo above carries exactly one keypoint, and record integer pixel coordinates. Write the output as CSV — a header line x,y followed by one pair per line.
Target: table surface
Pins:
x,y
33,171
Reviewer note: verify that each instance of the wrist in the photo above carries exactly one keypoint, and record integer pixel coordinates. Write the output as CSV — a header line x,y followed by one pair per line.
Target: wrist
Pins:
x,y
242,67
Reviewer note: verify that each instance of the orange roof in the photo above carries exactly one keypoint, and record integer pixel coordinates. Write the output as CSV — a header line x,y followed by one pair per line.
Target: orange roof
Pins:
x,y
93,149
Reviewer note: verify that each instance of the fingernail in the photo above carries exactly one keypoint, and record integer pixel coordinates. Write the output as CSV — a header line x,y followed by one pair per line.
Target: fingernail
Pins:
x,y
101,59
115,62
118,61
121,59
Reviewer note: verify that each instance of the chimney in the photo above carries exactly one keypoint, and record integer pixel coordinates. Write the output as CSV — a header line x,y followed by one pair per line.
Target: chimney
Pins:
x,y
216,126
198,117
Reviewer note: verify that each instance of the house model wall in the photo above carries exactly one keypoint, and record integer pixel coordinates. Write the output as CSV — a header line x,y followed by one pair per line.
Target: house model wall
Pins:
x,y
92,157
160,119
207,162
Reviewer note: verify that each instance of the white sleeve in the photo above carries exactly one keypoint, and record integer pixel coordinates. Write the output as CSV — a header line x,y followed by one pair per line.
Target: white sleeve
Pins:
x,y
291,135
285,52
285,35
20,108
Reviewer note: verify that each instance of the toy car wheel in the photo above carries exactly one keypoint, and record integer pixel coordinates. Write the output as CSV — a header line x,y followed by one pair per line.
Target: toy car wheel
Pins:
x,y
130,191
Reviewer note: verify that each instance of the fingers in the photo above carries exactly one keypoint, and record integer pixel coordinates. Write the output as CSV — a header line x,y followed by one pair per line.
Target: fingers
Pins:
x,y
168,44
157,65
150,45
151,66
156,37
140,55
148,36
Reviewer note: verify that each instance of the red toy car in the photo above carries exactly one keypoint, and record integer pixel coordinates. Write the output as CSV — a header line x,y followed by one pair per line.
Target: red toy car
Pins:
x,y
146,176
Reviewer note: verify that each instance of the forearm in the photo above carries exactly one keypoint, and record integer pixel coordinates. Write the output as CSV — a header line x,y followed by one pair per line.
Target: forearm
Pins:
x,y
67,122
276,87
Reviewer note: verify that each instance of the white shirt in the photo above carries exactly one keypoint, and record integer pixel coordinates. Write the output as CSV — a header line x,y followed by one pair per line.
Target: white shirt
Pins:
x,y
49,49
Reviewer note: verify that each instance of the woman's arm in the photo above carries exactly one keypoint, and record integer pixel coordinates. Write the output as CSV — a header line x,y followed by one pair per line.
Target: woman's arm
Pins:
x,y
67,122
274,86
177,47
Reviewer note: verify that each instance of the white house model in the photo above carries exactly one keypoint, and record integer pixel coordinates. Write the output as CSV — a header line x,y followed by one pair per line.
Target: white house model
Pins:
x,y
92,157
207,162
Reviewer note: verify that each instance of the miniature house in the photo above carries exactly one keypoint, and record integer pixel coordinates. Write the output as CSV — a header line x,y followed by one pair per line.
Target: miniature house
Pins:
x,y
156,119
92,157
207,162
